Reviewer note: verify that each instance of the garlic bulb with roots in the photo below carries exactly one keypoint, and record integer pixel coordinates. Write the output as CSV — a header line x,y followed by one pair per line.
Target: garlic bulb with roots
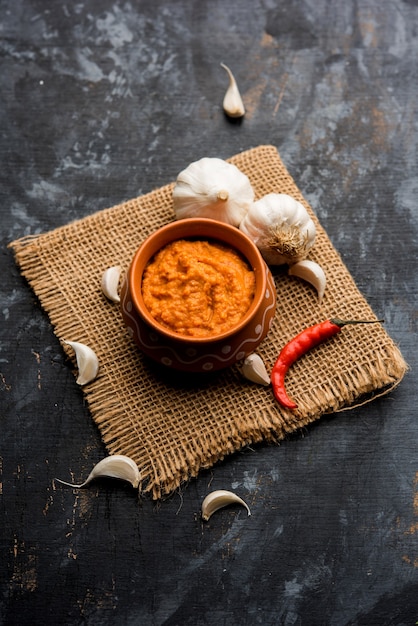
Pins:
x,y
212,188
281,228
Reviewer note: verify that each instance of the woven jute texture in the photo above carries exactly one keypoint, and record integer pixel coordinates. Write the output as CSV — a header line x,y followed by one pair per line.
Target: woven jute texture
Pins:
x,y
171,424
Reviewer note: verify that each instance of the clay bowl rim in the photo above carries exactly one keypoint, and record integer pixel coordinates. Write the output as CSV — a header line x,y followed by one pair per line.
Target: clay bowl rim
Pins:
x,y
196,228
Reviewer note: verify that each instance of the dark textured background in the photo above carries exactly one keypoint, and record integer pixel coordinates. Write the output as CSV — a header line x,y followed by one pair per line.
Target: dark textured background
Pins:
x,y
104,100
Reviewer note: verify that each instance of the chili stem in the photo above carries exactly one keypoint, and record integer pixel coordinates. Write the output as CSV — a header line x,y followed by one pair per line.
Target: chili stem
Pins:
x,y
338,322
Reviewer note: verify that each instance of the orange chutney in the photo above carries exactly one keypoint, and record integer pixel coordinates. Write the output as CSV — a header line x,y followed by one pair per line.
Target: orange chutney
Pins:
x,y
198,288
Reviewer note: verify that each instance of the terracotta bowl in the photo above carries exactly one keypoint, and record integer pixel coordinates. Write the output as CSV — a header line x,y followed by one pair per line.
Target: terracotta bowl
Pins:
x,y
190,353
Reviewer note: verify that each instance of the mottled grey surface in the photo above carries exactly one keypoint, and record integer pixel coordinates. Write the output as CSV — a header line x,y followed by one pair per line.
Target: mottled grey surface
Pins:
x,y
105,100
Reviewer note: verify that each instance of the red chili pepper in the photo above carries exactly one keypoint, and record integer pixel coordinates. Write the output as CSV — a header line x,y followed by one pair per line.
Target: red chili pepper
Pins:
x,y
298,346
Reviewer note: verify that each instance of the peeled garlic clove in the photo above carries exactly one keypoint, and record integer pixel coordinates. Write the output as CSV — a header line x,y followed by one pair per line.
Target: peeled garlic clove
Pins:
x,y
232,103
113,466
217,500
254,369
110,283
87,362
312,273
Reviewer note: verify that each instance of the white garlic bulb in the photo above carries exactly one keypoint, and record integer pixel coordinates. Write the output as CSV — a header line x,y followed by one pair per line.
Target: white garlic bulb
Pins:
x,y
212,188
281,228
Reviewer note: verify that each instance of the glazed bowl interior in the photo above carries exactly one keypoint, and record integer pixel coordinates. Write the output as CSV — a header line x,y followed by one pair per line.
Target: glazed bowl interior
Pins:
x,y
204,229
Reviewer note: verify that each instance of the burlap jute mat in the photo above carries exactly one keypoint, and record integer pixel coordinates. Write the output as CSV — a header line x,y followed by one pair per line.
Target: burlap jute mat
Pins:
x,y
171,424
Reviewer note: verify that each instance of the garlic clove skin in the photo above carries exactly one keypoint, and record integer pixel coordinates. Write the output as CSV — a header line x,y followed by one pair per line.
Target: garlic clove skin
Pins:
x,y
212,188
281,228
87,362
253,369
113,466
110,283
313,273
232,102
217,500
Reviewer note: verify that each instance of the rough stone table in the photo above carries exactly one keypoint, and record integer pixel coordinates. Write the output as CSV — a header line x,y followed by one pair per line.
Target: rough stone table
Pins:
x,y
104,100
